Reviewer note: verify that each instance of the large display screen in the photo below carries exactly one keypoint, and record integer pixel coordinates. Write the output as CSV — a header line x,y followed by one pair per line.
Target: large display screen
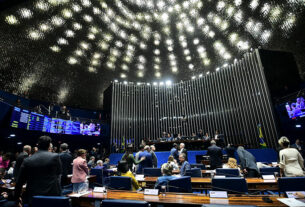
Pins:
x,y
296,108
25,119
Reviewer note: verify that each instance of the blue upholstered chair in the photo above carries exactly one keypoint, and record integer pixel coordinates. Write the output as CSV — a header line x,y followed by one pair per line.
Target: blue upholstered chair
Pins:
x,y
228,172
200,166
50,201
232,185
291,184
152,172
225,205
120,183
182,184
124,203
194,172
99,175
269,170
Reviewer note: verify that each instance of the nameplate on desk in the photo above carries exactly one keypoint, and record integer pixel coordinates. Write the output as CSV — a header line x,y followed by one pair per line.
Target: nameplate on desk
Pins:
x,y
292,202
291,194
219,176
151,192
218,194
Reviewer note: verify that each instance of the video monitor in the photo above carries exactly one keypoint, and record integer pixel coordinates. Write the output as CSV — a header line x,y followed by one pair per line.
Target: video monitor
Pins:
x,y
296,108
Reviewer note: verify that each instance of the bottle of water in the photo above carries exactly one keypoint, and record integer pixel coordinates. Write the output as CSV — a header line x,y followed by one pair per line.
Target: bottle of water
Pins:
x,y
163,190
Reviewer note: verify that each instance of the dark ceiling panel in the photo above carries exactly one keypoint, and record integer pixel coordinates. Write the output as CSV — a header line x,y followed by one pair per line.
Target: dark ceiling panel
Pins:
x,y
68,51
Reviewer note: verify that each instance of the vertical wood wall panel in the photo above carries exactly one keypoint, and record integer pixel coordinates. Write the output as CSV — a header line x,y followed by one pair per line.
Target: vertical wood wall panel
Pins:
x,y
233,100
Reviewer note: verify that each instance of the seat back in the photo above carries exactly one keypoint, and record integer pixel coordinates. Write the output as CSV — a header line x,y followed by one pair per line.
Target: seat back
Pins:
x,y
99,175
232,185
291,184
269,170
228,172
120,183
194,172
182,184
50,201
200,166
152,172
124,203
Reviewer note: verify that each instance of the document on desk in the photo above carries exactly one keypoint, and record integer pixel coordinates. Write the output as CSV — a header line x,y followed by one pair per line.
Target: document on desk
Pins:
x,y
140,177
291,194
77,195
291,202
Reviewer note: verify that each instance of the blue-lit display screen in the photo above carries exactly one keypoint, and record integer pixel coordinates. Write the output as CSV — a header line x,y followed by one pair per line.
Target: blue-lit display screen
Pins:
x,y
25,119
296,108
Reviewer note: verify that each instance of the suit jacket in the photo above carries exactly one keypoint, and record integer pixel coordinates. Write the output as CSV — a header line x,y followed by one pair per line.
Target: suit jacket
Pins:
x,y
66,161
154,159
145,163
185,166
185,152
174,153
215,154
41,172
80,170
19,162
230,151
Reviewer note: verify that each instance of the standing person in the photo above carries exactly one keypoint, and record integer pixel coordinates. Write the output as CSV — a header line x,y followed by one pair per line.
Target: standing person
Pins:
x,y
183,150
247,162
153,155
291,161
41,173
141,149
297,145
80,170
66,161
24,154
185,165
174,152
215,154
93,152
147,162
230,149
129,158
200,134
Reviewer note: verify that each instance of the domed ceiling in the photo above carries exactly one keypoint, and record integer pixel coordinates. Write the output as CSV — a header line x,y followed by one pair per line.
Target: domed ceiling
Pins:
x,y
69,51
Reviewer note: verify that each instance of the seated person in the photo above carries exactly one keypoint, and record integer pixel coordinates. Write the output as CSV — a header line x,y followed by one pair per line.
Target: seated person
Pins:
x,y
99,165
124,171
166,170
185,165
173,162
232,163
107,163
91,163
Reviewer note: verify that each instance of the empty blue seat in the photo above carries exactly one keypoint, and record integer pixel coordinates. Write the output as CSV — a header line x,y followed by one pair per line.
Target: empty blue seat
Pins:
x,y
152,172
232,185
200,166
99,175
228,172
269,170
291,184
194,172
124,203
50,201
182,184
120,183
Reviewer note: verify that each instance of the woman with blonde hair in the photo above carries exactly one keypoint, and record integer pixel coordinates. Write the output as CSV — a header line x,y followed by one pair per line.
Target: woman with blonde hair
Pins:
x,y
291,161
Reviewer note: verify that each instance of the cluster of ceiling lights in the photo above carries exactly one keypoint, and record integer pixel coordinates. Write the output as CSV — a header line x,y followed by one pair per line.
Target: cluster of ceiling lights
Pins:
x,y
129,41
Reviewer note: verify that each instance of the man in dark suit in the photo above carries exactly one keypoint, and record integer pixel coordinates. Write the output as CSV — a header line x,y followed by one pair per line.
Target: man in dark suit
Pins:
x,y
66,161
215,154
174,152
230,149
26,152
183,150
40,172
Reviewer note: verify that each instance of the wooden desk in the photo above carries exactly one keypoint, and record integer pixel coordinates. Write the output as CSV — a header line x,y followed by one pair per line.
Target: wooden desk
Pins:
x,y
173,199
205,173
254,184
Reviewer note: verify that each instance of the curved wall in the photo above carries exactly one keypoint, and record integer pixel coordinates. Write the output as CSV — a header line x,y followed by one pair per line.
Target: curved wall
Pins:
x,y
234,101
